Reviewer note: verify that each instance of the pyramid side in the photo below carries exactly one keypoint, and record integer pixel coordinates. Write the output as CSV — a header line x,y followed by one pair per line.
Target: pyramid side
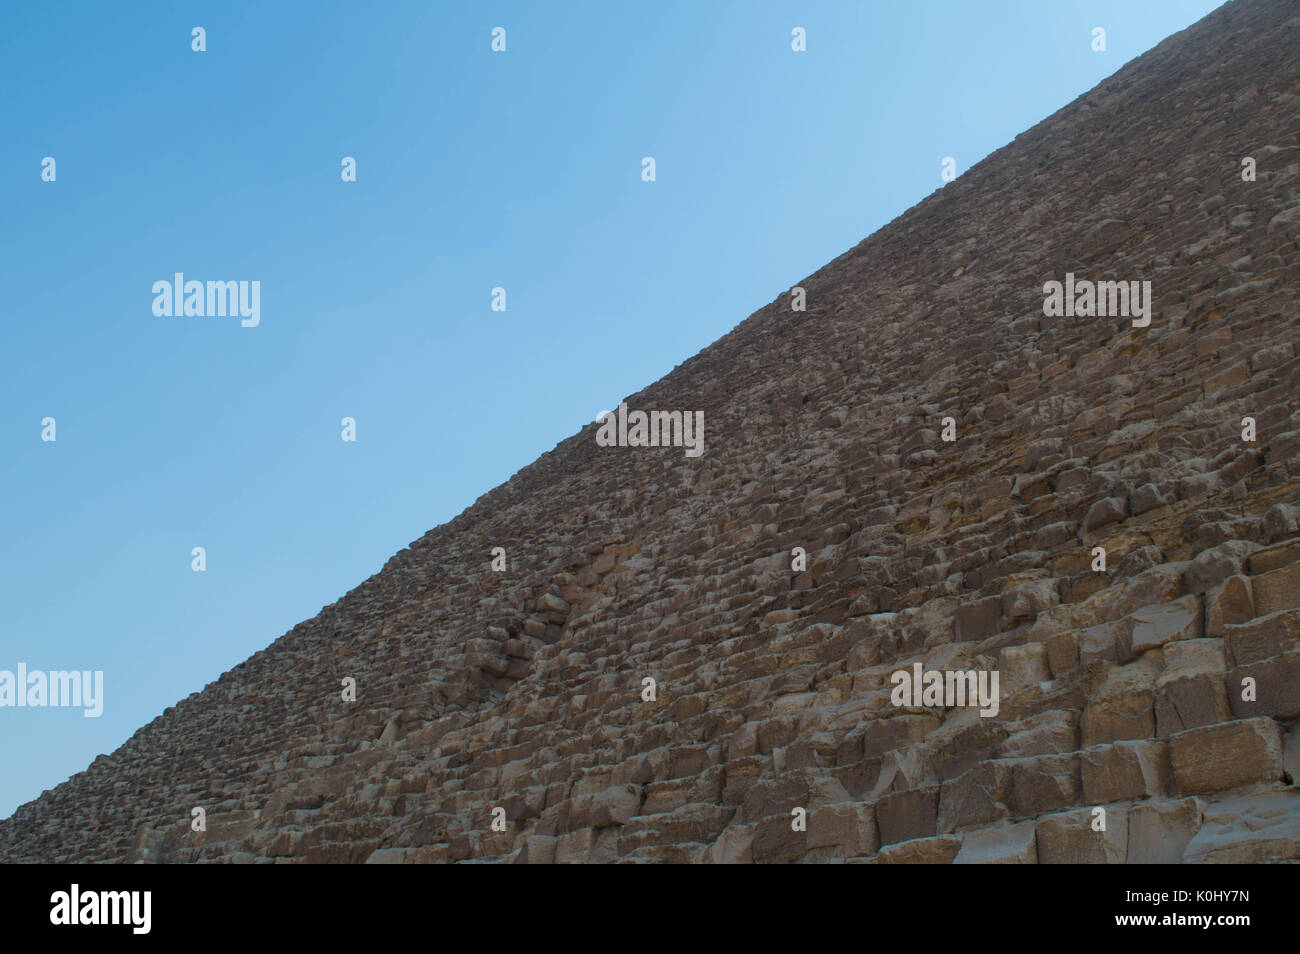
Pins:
x,y
524,689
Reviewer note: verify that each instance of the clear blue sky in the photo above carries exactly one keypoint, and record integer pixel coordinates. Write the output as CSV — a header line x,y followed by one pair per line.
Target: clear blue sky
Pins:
x,y
475,169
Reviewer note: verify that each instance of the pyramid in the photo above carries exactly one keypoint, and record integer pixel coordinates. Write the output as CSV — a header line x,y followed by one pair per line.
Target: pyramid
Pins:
x,y
938,470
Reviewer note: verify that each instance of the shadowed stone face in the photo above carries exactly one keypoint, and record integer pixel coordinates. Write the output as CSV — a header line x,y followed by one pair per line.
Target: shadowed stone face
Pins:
x,y
687,657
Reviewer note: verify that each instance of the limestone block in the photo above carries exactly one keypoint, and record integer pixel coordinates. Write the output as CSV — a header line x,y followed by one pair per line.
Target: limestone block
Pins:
x,y
1003,845
848,827
901,816
1229,602
1070,838
1263,637
1043,783
1219,757
1158,831
1276,688
975,797
1191,691
1276,590
1251,830
939,850
1125,770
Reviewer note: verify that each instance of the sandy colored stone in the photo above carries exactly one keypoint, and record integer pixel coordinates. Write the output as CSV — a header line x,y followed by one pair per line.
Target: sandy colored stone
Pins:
x,y
1003,845
1158,830
940,850
1125,770
523,690
1074,837
1219,757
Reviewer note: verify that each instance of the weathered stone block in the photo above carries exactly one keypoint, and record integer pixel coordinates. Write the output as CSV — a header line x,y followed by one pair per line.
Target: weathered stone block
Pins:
x,y
1251,830
848,827
1104,511
1047,733
1152,626
964,740
734,846
1024,602
1191,690
897,731
1099,642
1062,653
901,816
741,776
1276,590
612,806
978,619
1211,567
773,796
575,847
1122,707
1228,603
776,842
1128,715
940,850
1277,687
1007,844
1069,838
1158,831
1022,666
1125,770
1219,757
1044,783
1263,637
975,797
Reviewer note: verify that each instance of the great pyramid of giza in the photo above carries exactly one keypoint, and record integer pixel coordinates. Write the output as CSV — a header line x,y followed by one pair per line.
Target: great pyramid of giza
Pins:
x,y
925,459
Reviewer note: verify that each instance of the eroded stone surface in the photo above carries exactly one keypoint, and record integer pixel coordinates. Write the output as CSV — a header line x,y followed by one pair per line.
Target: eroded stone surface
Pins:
x,y
523,690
